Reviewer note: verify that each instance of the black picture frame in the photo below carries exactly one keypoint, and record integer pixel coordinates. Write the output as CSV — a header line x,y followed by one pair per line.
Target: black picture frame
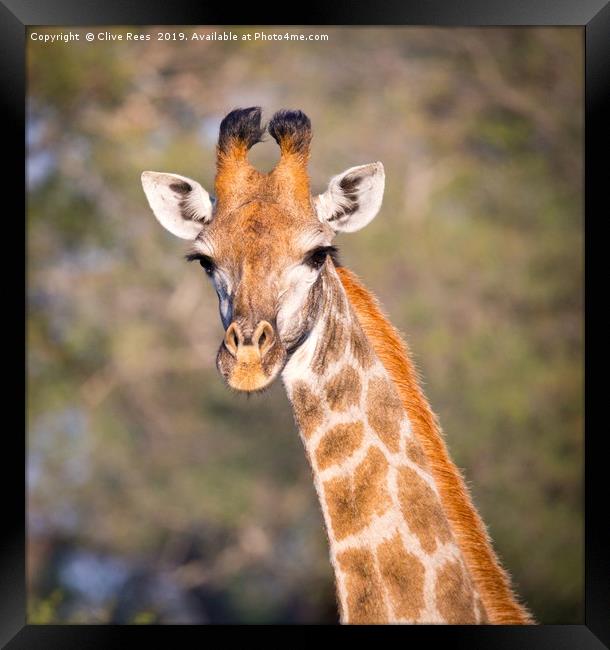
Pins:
x,y
17,15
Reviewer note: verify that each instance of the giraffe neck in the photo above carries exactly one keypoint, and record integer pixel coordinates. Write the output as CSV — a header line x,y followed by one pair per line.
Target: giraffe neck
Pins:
x,y
391,545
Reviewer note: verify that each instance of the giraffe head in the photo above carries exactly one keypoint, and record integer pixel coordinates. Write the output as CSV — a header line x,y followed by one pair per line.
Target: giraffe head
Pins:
x,y
264,240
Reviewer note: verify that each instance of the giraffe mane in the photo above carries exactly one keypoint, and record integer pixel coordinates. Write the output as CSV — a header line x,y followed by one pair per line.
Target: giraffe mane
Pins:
x,y
491,579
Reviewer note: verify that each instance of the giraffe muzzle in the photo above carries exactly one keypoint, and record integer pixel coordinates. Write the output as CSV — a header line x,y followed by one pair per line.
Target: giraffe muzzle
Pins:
x,y
250,363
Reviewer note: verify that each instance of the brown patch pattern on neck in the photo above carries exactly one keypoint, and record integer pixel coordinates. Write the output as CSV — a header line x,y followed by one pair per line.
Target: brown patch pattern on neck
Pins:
x,y
492,582
377,579
403,574
352,502
422,510
360,347
454,594
307,409
365,602
343,390
334,338
416,454
385,412
331,346
339,443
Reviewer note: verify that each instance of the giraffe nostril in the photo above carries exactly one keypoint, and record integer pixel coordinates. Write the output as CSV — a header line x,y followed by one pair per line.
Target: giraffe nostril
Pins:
x,y
232,339
263,337
261,340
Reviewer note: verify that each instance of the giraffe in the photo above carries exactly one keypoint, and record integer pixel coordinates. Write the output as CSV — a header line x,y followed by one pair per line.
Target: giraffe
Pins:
x,y
406,542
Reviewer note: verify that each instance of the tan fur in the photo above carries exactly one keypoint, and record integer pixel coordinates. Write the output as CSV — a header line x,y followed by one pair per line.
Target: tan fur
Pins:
x,y
339,443
290,174
416,454
235,177
403,574
491,580
422,510
307,409
248,373
384,411
352,501
365,602
360,348
454,598
343,390
326,353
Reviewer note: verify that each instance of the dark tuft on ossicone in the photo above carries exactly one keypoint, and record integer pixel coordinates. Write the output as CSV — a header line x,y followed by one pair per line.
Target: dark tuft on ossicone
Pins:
x,y
241,126
291,130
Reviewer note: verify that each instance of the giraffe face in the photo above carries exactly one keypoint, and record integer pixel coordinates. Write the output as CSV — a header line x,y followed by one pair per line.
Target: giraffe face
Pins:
x,y
265,264
265,241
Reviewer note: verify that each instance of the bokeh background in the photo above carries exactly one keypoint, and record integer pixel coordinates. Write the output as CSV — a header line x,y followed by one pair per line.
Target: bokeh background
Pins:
x,y
155,494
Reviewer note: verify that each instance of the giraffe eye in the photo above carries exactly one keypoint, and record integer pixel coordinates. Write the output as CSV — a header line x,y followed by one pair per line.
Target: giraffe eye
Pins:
x,y
316,258
207,264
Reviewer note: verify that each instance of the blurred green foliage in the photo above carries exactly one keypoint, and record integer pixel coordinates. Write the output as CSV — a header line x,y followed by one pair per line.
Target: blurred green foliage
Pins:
x,y
155,494
42,611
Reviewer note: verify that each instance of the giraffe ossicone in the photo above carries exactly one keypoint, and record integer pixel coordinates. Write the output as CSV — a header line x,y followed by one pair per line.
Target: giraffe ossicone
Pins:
x,y
403,546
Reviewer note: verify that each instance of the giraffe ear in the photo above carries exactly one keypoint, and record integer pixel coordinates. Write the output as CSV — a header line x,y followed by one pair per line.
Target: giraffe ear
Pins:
x,y
353,198
180,204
